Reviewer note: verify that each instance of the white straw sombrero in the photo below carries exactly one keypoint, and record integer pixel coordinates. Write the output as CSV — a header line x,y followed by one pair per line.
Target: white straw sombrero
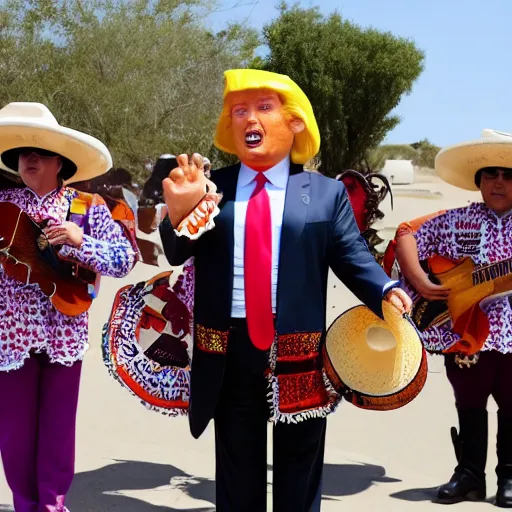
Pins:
x,y
458,164
25,124
376,364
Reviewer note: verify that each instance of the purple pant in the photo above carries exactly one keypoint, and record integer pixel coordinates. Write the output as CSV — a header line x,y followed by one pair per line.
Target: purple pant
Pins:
x,y
38,406
491,375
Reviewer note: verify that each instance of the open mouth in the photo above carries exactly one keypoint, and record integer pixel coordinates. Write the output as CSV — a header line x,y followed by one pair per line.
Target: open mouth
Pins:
x,y
253,139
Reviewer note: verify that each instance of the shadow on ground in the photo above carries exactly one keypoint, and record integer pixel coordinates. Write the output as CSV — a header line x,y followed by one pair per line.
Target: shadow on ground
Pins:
x,y
100,489
426,494
423,494
347,479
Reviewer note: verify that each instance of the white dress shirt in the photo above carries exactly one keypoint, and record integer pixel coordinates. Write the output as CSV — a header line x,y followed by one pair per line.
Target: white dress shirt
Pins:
x,y
277,177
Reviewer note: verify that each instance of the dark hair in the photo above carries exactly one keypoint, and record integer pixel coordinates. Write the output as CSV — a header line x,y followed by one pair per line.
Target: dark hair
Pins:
x,y
119,176
152,189
478,175
11,158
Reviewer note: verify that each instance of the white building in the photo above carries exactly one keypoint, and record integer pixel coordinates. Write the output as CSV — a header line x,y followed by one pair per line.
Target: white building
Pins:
x,y
398,172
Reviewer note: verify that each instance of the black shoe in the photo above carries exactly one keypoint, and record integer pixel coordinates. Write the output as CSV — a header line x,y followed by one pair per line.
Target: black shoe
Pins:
x,y
463,486
504,467
504,494
468,480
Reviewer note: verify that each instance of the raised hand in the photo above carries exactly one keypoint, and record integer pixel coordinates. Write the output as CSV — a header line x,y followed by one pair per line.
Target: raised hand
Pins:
x,y
185,187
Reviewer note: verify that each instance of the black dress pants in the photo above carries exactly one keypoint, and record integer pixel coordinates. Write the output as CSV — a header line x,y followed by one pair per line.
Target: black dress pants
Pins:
x,y
241,421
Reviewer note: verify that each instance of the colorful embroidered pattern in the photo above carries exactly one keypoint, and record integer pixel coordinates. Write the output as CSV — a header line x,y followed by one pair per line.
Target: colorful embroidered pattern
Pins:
x,y
298,346
107,250
29,320
477,232
211,340
301,391
148,351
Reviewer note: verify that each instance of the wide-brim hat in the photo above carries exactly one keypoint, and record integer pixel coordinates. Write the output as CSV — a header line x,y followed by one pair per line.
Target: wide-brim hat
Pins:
x,y
306,144
32,125
381,360
459,164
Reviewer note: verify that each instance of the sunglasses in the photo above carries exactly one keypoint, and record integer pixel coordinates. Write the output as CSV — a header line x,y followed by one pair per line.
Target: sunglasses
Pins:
x,y
494,172
41,152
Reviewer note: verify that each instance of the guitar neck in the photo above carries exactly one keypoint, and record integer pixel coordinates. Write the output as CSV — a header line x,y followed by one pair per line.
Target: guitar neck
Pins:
x,y
492,272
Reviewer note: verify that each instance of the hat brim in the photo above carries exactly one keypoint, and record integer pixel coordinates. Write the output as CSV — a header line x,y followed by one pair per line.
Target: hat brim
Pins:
x,y
90,156
306,144
359,349
458,165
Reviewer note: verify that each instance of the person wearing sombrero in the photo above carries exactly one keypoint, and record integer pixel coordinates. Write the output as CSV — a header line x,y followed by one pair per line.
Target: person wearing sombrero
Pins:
x,y
261,272
41,348
481,231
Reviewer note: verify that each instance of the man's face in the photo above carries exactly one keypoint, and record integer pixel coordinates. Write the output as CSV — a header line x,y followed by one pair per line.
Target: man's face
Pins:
x,y
262,133
496,189
38,170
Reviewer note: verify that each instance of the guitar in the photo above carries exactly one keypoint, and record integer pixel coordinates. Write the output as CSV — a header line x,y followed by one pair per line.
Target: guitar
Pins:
x,y
27,256
470,287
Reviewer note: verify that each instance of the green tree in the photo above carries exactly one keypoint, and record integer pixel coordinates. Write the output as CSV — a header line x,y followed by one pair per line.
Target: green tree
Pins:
x,y
144,76
426,153
354,78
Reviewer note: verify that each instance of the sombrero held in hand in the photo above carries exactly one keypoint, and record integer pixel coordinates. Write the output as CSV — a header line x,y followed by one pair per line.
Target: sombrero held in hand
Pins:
x,y
32,125
375,364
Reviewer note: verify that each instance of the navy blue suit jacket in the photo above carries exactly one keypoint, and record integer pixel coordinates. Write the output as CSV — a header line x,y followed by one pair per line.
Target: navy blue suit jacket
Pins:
x,y
319,232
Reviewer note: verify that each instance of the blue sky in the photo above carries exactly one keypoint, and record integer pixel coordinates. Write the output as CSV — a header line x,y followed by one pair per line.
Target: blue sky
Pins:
x,y
467,80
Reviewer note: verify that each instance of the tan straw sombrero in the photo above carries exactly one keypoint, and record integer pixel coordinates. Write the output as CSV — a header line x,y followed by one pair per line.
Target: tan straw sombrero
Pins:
x,y
374,363
458,164
32,125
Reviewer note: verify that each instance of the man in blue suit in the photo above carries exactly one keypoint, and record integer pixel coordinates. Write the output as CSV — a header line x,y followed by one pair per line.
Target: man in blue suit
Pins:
x,y
260,292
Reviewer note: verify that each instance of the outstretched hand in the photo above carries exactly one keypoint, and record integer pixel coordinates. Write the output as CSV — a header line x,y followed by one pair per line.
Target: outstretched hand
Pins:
x,y
185,187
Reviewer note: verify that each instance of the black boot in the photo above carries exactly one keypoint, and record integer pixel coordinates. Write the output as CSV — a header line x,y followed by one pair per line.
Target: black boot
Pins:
x,y
504,467
468,480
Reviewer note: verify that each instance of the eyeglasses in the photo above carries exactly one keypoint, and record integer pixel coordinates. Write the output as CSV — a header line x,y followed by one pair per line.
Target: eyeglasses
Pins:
x,y
44,153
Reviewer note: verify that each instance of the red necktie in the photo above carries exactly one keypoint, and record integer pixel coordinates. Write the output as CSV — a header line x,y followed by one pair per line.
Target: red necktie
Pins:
x,y
258,267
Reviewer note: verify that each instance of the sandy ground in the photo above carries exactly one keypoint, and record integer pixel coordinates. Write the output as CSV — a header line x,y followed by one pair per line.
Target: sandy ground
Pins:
x,y
130,459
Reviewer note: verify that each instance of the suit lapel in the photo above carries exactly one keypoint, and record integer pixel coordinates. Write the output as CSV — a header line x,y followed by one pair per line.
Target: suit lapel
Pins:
x,y
226,219
294,219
